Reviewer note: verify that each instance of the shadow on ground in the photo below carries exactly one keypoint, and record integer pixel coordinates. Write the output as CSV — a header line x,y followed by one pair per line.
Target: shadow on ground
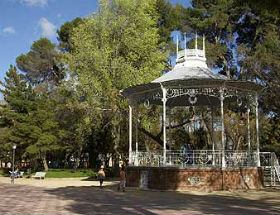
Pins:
x,y
22,199
89,200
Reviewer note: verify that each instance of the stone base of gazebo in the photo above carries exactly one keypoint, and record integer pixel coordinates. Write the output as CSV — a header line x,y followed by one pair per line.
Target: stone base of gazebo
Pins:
x,y
200,179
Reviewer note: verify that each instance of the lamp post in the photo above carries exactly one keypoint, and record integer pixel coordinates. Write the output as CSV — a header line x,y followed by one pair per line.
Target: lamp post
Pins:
x,y
13,164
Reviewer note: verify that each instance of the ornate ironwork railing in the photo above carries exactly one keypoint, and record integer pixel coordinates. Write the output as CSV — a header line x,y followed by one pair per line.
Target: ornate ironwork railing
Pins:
x,y
276,167
203,158
270,164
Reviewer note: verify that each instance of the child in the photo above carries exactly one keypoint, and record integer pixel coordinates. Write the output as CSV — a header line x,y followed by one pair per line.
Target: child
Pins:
x,y
101,175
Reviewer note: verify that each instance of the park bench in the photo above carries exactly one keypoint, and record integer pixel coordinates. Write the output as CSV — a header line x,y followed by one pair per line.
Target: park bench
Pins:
x,y
40,175
20,175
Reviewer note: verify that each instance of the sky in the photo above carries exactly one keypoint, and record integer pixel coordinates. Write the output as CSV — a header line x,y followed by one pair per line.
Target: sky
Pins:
x,y
24,21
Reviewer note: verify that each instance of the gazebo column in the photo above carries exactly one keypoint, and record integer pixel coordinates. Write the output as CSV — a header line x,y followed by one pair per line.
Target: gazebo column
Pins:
x,y
223,128
213,141
248,127
257,130
136,135
130,131
164,100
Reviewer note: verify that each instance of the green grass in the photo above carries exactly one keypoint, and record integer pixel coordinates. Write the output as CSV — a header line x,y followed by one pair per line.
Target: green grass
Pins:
x,y
70,173
66,173
4,172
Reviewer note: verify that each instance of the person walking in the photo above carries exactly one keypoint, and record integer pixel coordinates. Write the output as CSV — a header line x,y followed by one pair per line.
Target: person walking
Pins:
x,y
101,175
122,179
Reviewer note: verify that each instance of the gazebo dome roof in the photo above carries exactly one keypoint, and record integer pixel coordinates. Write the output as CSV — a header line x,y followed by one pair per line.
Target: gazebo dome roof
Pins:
x,y
190,64
190,77
186,70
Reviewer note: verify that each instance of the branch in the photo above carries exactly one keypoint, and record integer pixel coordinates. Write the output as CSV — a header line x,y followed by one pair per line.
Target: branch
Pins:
x,y
157,137
179,125
150,135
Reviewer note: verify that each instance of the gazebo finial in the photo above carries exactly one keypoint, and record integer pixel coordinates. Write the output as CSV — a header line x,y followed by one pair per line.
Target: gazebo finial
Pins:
x,y
196,43
204,51
177,46
185,44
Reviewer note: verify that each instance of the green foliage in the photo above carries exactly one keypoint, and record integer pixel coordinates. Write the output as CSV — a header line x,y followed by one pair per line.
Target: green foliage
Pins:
x,y
29,118
180,137
4,172
271,136
42,64
14,115
116,47
65,32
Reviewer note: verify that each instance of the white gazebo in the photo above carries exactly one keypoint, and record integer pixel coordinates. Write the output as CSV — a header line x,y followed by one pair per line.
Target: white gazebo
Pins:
x,y
192,83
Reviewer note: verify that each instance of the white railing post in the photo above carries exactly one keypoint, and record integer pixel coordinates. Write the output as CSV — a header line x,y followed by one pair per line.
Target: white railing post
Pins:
x,y
193,157
248,128
130,131
223,127
257,130
136,136
164,100
212,130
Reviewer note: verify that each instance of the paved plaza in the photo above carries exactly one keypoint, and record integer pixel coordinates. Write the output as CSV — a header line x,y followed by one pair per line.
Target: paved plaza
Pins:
x,y
79,196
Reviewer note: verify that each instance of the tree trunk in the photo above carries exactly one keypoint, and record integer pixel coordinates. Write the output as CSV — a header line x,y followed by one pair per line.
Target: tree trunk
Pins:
x,y
116,154
157,138
78,158
45,163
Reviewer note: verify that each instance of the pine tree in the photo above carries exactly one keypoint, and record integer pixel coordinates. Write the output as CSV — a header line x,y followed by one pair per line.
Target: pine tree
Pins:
x,y
42,64
28,119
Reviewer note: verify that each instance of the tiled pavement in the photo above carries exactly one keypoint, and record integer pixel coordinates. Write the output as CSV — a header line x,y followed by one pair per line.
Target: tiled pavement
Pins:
x,y
24,199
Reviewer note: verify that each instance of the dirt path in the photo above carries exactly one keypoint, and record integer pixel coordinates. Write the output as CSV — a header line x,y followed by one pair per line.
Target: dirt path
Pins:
x,y
78,196
56,182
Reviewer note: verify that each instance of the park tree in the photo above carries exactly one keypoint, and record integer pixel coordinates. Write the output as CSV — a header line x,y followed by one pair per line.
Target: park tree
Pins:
x,y
169,19
45,71
212,19
48,133
19,100
28,119
116,47
258,55
42,65
65,32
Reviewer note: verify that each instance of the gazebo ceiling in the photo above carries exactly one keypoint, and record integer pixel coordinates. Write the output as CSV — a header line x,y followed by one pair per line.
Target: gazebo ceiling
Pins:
x,y
191,92
242,86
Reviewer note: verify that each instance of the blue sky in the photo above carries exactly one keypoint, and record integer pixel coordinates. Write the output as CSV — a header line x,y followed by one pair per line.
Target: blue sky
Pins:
x,y
24,21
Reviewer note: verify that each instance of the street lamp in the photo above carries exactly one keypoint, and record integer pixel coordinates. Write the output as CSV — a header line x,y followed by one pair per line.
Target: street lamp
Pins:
x,y
13,164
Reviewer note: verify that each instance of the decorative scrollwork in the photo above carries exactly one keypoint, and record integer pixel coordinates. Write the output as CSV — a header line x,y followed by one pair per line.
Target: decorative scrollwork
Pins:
x,y
246,178
203,159
147,103
192,92
192,99
239,102
194,180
